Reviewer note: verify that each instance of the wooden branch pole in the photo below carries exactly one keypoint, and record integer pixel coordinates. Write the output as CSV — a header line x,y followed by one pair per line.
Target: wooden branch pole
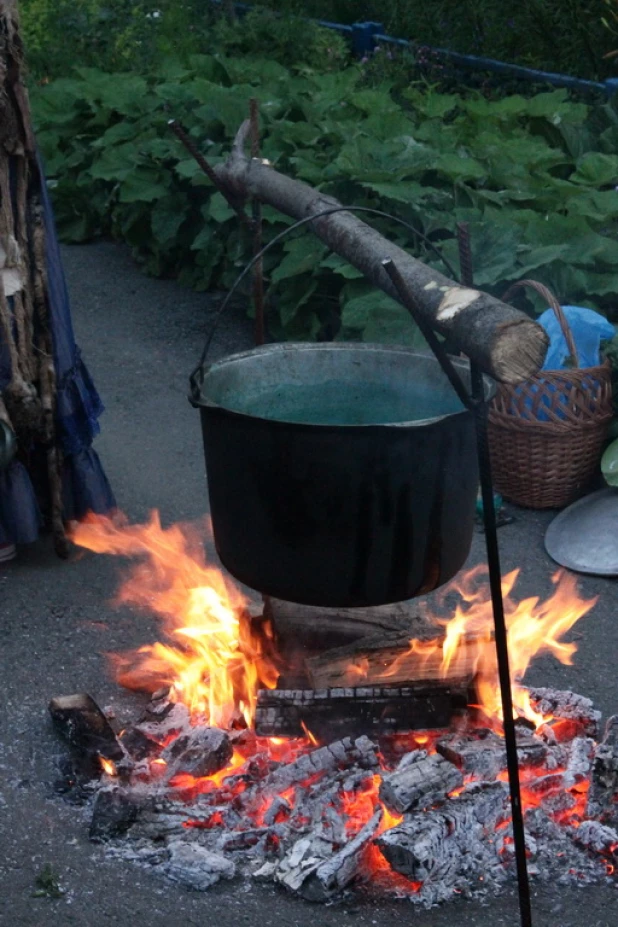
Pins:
x,y
504,342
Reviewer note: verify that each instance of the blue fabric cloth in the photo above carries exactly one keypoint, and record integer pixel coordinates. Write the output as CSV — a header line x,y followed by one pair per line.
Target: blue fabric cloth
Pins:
x,y
78,407
20,518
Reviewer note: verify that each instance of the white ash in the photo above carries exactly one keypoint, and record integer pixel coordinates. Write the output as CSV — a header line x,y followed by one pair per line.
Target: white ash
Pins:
x,y
295,824
196,867
317,870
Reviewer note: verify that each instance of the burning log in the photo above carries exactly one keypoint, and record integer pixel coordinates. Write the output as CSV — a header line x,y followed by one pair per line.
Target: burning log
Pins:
x,y
197,868
604,780
581,755
81,722
591,835
372,710
338,755
441,844
201,752
577,711
384,661
419,781
309,628
306,870
483,753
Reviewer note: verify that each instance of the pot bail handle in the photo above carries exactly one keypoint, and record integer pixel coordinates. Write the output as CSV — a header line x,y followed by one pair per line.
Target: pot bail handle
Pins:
x,y
196,378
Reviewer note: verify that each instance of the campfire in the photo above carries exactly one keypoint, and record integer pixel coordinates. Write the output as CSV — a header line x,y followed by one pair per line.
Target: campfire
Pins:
x,y
318,750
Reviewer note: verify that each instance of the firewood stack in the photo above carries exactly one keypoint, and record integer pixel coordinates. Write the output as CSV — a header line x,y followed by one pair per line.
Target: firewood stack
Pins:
x,y
354,671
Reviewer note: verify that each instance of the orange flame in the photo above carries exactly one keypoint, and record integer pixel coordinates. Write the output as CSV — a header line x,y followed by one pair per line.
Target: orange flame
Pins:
x,y
310,737
108,766
215,663
534,628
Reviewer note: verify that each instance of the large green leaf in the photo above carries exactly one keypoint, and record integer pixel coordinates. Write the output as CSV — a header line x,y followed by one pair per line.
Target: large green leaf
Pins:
x,y
302,255
145,184
378,318
167,216
339,266
293,296
609,464
596,169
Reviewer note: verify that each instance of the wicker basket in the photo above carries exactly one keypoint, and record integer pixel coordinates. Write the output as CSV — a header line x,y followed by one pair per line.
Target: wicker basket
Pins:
x,y
546,433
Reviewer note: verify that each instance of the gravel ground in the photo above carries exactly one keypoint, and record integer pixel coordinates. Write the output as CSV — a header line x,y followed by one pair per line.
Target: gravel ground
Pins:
x,y
140,338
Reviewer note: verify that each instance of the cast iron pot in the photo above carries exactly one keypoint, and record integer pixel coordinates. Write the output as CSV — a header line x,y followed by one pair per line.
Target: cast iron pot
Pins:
x,y
339,475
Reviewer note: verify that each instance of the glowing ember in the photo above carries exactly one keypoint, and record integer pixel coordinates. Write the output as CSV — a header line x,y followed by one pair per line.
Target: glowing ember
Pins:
x,y
284,795
215,664
108,766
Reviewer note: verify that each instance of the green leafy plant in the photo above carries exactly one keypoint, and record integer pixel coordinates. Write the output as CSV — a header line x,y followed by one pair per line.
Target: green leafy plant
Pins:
x,y
46,884
609,464
535,179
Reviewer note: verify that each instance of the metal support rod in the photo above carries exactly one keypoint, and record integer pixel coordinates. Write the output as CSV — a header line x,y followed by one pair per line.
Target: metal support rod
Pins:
x,y
476,402
256,217
495,585
194,151
502,648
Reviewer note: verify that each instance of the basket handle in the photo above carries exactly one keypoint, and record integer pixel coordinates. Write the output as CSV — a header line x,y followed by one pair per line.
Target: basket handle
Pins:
x,y
553,304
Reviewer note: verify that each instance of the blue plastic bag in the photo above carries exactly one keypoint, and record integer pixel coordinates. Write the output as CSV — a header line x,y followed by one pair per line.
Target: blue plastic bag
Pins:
x,y
589,329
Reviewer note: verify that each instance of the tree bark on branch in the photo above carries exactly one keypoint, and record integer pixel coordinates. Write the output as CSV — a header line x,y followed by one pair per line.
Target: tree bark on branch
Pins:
x,y
503,341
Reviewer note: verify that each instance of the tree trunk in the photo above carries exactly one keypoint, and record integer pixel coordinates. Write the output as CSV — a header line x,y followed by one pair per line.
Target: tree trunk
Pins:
x,y
26,340
504,342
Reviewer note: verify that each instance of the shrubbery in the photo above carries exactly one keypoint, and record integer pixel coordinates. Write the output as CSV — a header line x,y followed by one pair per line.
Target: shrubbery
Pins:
x,y
567,36
535,178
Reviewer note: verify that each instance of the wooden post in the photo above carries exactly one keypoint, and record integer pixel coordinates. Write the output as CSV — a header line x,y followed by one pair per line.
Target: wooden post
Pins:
x,y
29,397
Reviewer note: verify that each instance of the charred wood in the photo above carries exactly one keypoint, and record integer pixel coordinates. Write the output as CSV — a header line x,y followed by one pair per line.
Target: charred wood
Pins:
x,y
603,795
570,707
196,867
483,753
200,752
373,710
431,844
420,781
338,755
307,628
384,660
114,813
81,722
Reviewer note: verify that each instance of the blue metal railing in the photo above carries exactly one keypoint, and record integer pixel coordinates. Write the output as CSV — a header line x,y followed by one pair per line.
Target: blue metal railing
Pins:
x,y
366,37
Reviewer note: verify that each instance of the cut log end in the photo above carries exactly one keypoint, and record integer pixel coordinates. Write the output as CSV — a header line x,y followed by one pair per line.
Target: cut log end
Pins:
x,y
519,351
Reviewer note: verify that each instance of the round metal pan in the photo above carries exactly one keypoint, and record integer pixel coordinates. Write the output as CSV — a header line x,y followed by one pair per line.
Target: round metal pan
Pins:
x,y
584,537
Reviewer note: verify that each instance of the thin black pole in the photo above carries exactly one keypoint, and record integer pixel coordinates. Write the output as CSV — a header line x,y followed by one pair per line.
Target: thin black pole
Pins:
x,y
495,586
502,648
476,402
